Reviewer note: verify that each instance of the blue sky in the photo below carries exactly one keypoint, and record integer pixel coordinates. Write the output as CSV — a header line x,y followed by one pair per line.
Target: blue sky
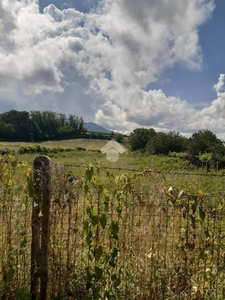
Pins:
x,y
197,86
81,5
122,63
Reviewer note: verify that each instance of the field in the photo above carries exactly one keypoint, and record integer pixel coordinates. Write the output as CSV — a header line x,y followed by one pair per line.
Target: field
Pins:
x,y
176,171
155,233
127,160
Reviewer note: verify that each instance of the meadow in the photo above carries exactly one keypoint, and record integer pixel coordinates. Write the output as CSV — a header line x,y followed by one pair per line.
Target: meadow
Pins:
x,y
115,233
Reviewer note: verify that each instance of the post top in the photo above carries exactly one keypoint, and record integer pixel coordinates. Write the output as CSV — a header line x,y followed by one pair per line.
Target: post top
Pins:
x,y
42,160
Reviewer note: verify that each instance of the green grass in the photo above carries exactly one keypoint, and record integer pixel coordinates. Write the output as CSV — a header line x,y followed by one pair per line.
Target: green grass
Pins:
x,y
128,160
74,143
160,246
136,161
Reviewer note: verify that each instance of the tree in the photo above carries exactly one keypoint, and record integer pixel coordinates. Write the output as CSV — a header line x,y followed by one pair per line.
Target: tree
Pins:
x,y
163,143
81,125
159,144
21,123
119,138
203,141
140,137
7,130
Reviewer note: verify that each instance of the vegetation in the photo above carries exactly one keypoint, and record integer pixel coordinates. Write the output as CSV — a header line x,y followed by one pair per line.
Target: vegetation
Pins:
x,y
202,144
153,231
140,137
38,126
142,235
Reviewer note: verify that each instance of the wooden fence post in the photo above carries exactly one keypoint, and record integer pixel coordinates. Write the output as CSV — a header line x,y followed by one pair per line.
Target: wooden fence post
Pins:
x,y
40,227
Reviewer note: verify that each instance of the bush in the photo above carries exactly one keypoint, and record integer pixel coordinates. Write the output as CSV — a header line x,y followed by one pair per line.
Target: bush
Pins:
x,y
43,150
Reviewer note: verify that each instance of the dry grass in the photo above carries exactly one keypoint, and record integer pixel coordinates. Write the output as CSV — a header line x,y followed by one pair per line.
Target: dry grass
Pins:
x,y
88,144
162,255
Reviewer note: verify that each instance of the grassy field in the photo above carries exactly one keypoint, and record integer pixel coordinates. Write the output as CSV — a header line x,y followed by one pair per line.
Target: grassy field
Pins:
x,y
77,160
74,143
144,235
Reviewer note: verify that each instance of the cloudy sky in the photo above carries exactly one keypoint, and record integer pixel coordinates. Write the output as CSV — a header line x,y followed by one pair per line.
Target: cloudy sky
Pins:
x,y
120,63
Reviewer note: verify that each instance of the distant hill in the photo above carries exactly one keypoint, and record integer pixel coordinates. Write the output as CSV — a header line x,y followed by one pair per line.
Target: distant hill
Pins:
x,y
90,126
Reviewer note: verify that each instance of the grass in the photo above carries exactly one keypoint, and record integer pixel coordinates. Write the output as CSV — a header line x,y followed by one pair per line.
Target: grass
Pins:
x,y
169,247
73,143
134,161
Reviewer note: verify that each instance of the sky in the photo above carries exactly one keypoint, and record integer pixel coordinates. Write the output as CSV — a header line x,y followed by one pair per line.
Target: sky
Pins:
x,y
122,64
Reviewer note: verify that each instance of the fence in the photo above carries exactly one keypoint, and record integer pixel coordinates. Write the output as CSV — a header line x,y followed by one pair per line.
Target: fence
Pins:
x,y
69,234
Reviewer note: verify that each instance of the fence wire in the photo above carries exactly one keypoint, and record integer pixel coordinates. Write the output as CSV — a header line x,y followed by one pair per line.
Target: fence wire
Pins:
x,y
168,247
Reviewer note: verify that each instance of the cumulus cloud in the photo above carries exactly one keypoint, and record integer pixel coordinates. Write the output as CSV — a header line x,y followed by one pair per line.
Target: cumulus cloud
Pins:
x,y
220,84
98,64
212,116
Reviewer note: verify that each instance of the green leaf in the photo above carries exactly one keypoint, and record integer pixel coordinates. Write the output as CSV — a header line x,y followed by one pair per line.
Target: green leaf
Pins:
x,y
116,280
94,180
200,192
193,219
98,252
202,213
108,295
86,226
89,211
115,229
89,237
114,254
89,173
89,276
95,210
86,188
22,295
193,207
9,275
100,188
98,272
103,221
94,220
95,293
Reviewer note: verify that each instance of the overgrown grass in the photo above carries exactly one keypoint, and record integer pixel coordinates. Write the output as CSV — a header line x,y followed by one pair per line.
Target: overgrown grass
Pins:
x,y
143,235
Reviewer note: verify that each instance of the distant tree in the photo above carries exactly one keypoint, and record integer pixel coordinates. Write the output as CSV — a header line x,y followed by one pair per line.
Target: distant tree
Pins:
x,y
81,125
7,130
119,138
21,123
112,135
163,143
140,137
66,132
203,141
38,126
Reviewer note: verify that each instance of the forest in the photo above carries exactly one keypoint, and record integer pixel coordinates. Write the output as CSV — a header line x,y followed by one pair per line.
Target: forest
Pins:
x,y
37,126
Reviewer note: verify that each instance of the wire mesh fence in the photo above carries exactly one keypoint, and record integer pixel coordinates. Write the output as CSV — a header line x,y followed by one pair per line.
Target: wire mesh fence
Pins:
x,y
145,235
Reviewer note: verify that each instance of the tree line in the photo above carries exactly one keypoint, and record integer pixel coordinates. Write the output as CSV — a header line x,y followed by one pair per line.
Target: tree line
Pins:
x,y
37,126
202,147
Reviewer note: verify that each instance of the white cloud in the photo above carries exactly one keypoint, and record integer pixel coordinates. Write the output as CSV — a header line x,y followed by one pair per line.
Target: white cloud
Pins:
x,y
220,84
97,64
212,116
